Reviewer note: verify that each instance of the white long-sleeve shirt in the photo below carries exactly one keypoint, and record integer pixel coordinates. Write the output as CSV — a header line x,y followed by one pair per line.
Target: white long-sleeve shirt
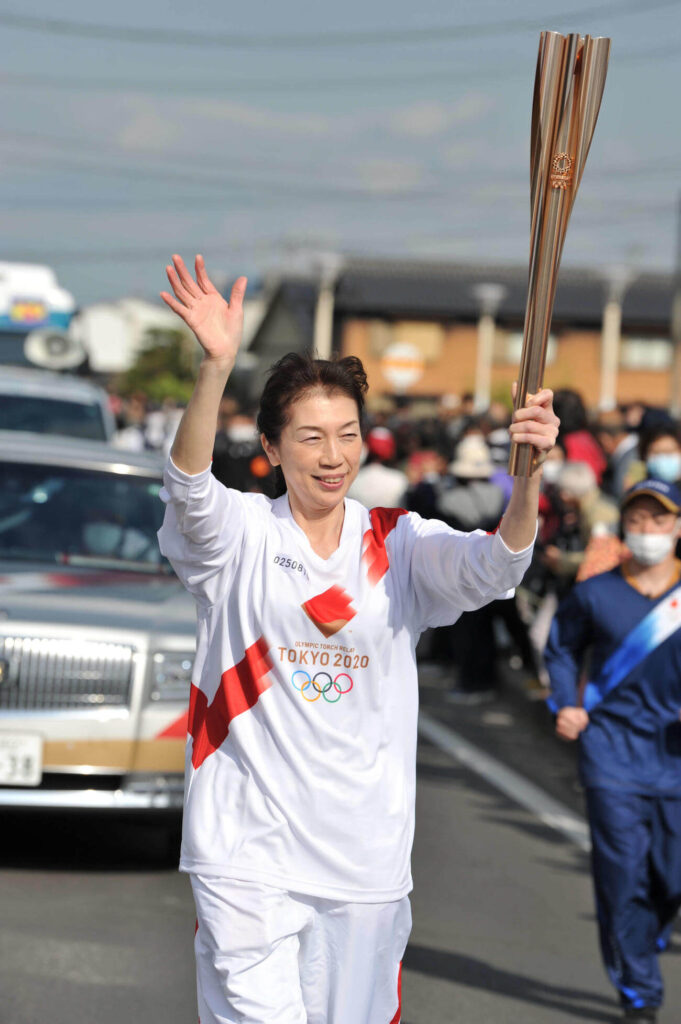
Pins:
x,y
301,753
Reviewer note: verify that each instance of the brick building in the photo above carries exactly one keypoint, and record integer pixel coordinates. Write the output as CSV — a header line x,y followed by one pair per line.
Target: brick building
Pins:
x,y
432,308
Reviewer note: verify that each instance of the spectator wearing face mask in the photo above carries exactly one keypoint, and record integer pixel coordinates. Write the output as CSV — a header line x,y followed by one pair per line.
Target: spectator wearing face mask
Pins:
x,y
424,470
583,511
130,423
468,501
161,426
378,482
238,458
619,443
575,438
499,443
552,466
548,527
577,517
660,451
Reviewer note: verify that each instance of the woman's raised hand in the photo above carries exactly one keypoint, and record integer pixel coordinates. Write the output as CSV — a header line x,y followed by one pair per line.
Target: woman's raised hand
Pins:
x,y
217,324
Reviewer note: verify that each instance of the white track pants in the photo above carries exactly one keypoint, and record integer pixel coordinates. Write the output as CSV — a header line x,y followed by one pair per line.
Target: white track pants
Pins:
x,y
267,956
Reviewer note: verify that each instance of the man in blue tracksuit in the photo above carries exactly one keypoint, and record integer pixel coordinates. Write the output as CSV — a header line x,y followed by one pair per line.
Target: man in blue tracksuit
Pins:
x,y
628,724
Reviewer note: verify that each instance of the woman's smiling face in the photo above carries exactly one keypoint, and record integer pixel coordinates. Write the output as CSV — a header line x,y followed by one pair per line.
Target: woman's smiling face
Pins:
x,y
319,450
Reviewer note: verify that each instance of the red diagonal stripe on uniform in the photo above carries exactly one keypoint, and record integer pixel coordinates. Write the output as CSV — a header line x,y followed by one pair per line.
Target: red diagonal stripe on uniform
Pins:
x,y
333,604
177,730
398,1015
239,690
374,555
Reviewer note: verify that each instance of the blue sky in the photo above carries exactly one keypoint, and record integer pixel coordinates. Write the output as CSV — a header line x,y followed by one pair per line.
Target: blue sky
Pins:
x,y
260,131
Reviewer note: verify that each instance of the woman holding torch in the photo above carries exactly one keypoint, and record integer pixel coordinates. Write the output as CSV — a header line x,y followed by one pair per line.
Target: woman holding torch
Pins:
x,y
301,752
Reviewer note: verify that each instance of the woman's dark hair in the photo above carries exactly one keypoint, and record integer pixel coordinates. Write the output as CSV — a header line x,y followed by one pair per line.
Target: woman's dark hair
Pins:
x,y
569,409
292,378
653,434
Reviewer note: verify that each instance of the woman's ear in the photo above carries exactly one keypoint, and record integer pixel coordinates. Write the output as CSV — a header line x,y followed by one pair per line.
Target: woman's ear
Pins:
x,y
270,451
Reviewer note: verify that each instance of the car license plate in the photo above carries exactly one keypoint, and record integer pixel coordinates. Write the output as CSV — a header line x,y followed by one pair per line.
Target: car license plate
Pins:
x,y
21,759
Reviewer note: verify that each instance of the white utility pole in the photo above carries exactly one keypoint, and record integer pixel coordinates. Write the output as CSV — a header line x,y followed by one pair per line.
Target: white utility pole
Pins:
x,y
618,279
330,266
675,396
489,298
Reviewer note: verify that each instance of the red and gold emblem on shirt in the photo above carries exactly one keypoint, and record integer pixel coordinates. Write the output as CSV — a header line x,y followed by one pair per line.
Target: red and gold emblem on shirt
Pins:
x,y
330,611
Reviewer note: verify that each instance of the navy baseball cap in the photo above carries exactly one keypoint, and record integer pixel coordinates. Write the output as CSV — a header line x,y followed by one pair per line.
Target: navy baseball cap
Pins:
x,y
668,495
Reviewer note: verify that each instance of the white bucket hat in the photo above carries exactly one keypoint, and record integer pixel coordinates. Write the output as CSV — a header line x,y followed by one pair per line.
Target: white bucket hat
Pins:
x,y
472,459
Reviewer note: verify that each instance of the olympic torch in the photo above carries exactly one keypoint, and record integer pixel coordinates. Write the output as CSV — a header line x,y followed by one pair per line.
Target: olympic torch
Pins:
x,y
568,89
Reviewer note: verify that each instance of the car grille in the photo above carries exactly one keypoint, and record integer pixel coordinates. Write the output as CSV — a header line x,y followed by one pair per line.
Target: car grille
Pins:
x,y
48,673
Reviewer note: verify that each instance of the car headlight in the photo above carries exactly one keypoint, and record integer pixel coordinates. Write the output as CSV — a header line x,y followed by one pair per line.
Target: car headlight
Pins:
x,y
171,675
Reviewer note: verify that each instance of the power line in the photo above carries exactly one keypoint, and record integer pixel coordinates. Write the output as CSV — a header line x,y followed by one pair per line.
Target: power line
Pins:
x,y
78,146
216,173
171,203
259,85
127,254
239,86
223,180
245,41
216,251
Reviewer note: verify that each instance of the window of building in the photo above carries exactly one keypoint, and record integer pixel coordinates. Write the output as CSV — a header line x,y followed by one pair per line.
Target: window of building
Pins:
x,y
510,347
427,336
646,354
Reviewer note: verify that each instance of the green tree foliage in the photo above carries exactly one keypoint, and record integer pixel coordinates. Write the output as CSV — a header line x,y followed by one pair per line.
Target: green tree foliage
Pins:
x,y
164,368
501,393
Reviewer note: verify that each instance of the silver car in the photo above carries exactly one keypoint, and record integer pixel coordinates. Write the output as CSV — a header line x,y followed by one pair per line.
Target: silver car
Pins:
x,y
97,635
43,402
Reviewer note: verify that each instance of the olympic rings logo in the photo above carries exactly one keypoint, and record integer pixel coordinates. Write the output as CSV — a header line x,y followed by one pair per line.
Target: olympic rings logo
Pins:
x,y
311,688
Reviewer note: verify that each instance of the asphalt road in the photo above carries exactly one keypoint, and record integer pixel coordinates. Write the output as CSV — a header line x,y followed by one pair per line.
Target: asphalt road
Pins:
x,y
97,925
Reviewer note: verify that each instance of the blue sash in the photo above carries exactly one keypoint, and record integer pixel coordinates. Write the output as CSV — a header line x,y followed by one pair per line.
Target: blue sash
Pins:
x,y
658,625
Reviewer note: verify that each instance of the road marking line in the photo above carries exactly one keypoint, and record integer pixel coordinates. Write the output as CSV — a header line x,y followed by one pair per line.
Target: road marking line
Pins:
x,y
523,792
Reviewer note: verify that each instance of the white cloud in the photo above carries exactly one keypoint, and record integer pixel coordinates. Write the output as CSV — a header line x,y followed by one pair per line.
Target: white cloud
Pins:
x,y
464,153
472,107
389,176
147,129
255,117
421,120
425,120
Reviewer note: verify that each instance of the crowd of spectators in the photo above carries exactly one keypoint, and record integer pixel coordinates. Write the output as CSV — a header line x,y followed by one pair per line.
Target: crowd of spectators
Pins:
x,y
143,426
446,460
455,463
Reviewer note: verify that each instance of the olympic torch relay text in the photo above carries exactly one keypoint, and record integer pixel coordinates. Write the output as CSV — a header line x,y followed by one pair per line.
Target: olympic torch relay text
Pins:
x,y
322,655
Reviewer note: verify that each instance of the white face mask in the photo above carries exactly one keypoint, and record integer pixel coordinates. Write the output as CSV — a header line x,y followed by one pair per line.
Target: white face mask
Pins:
x,y
241,433
665,466
551,470
650,548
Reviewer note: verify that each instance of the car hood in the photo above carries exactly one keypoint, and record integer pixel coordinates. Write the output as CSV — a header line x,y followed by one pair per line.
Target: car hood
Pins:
x,y
95,597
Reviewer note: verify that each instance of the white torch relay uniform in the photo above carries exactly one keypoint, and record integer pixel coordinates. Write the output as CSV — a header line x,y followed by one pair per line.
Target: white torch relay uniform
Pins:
x,y
301,753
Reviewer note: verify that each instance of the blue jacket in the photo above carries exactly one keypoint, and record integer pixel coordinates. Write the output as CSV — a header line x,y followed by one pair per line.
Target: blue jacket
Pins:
x,y
633,740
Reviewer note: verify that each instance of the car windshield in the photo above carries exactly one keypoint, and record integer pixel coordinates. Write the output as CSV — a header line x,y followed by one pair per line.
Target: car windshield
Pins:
x,y
80,517
52,416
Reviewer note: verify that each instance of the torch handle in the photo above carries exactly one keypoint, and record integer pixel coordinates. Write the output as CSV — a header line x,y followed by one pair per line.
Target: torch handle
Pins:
x,y
543,278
